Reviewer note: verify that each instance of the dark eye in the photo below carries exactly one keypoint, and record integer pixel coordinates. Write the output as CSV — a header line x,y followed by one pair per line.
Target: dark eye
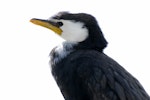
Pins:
x,y
60,23
83,26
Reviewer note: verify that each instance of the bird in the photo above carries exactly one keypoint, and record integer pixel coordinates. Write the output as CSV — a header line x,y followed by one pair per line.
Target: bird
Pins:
x,y
79,65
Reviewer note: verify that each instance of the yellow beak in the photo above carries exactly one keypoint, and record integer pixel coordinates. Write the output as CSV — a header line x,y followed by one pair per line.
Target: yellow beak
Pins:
x,y
48,24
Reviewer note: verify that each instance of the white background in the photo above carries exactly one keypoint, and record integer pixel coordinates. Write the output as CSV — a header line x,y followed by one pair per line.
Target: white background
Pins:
x,y
24,47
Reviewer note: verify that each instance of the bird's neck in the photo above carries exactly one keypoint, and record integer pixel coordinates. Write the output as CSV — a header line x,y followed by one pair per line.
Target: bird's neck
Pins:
x,y
73,46
61,51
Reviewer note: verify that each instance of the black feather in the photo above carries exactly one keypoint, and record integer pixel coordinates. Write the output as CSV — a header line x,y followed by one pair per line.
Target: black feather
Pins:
x,y
86,73
91,75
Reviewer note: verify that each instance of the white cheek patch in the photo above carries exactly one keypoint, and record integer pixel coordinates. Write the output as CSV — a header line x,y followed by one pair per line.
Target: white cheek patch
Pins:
x,y
74,31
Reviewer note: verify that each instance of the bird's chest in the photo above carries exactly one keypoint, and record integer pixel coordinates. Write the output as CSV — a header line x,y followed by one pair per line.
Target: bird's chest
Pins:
x,y
59,53
58,59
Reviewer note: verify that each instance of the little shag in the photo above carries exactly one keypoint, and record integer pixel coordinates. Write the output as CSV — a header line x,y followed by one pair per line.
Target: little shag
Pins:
x,y
80,67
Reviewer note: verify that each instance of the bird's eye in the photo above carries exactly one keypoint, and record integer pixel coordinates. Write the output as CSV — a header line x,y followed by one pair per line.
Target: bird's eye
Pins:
x,y
60,23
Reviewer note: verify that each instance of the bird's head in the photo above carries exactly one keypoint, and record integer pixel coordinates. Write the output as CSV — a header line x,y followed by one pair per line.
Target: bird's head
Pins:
x,y
78,27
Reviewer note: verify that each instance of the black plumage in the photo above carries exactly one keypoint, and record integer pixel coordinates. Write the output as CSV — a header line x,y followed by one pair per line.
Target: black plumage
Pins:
x,y
91,75
83,72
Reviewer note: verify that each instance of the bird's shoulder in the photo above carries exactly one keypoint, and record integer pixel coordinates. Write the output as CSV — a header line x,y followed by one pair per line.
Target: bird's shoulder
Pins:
x,y
87,63
91,58
103,73
85,55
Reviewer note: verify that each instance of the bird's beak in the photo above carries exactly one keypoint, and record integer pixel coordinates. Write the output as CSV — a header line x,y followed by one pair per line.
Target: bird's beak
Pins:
x,y
48,24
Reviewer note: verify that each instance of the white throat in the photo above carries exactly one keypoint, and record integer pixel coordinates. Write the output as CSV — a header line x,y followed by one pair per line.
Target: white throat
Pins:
x,y
74,31
61,52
